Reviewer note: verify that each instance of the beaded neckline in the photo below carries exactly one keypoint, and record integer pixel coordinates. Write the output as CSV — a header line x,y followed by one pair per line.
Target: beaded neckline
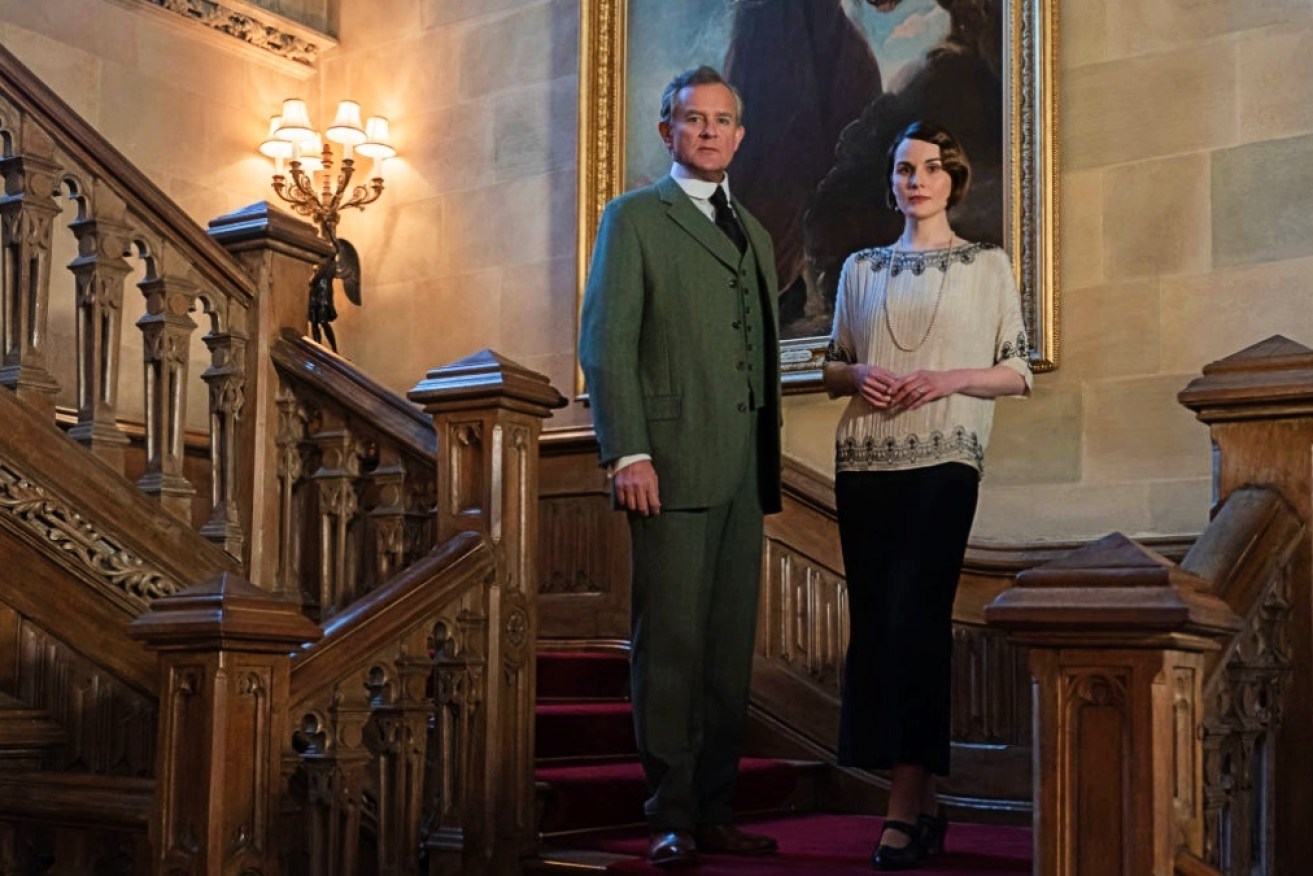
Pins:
x,y
917,261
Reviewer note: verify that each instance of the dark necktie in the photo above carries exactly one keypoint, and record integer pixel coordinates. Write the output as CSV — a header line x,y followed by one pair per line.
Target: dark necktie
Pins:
x,y
726,221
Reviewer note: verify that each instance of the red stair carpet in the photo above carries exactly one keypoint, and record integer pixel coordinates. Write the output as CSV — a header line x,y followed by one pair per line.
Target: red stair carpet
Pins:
x,y
594,791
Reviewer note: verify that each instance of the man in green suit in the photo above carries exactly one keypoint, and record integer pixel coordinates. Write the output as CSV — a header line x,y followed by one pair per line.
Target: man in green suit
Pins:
x,y
679,344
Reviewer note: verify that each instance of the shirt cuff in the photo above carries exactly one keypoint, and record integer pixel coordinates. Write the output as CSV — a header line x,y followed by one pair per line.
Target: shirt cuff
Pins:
x,y
626,461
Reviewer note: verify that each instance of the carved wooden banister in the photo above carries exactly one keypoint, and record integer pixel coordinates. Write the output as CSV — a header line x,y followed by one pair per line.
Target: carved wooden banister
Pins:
x,y
1118,637
389,613
56,497
487,412
362,702
1258,406
58,171
224,681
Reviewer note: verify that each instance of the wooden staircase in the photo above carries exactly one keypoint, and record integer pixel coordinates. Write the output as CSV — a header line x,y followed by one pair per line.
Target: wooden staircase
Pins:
x,y
394,705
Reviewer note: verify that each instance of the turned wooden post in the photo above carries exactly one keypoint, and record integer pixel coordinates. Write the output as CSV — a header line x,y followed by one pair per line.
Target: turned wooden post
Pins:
x,y
488,413
1117,637
280,253
223,726
1258,405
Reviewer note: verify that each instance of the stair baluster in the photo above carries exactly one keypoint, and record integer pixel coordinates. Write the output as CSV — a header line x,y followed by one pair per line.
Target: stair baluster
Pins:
x,y
101,272
337,481
166,345
27,213
226,377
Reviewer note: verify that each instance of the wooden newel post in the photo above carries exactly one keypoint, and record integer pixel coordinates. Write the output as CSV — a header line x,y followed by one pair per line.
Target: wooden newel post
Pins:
x,y
223,726
279,252
1258,406
488,413
1117,637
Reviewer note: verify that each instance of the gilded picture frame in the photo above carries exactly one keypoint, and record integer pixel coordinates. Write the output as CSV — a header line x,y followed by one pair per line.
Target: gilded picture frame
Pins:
x,y
1030,171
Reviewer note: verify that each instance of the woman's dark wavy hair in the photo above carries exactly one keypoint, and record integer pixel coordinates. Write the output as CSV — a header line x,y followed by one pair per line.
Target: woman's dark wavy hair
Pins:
x,y
952,155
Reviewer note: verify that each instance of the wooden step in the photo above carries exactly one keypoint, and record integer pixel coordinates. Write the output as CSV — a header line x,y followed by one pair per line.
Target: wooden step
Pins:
x,y
26,734
81,799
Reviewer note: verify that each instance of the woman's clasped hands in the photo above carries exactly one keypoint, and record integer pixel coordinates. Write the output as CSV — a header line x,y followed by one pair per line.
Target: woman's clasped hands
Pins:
x,y
884,390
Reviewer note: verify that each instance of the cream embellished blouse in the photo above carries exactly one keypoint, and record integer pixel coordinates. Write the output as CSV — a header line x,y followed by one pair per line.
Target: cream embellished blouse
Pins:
x,y
936,310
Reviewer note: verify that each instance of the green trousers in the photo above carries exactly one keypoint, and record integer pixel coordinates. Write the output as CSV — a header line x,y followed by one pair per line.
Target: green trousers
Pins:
x,y
696,579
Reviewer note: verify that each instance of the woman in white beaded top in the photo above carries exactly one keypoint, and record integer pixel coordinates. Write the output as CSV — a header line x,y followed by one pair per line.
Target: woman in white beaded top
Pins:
x,y
927,333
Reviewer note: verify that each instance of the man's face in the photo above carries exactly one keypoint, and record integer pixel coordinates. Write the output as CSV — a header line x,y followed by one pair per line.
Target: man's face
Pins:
x,y
704,131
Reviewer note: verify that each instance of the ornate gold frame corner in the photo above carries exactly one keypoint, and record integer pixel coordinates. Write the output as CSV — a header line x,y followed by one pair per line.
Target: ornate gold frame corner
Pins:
x,y
1031,201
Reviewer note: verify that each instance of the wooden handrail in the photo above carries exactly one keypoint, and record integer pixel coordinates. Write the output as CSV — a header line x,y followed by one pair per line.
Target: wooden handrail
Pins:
x,y
91,519
330,374
387,613
90,148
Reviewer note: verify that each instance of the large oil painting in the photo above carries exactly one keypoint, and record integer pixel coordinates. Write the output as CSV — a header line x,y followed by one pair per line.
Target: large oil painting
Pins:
x,y
826,85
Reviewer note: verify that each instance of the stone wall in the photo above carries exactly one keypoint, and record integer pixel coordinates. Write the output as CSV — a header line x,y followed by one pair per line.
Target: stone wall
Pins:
x,y
473,244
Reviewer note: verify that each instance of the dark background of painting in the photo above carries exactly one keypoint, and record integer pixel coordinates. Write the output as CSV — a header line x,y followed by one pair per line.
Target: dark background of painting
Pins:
x,y
827,84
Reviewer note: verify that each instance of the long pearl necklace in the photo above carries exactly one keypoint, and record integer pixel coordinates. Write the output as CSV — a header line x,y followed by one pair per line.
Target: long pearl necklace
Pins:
x,y
889,294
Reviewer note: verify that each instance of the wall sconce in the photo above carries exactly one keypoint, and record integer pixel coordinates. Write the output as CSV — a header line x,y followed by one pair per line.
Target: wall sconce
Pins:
x,y
292,138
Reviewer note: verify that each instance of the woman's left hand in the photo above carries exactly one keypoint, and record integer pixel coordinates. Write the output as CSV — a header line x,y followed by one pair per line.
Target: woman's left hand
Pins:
x,y
921,387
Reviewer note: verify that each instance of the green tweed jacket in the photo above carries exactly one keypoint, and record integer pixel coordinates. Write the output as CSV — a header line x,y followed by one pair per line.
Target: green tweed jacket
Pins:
x,y
660,346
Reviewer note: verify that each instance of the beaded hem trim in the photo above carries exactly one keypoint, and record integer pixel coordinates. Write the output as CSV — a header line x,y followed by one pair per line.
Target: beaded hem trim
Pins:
x,y
911,450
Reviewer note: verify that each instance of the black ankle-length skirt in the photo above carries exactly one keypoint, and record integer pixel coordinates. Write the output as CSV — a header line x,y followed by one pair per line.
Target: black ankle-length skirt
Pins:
x,y
904,534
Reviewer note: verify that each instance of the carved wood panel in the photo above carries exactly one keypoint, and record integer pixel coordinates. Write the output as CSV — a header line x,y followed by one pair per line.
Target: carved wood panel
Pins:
x,y
991,688
583,551
111,725
803,617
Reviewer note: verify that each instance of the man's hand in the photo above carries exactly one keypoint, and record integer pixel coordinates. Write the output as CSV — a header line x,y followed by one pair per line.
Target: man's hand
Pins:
x,y
636,488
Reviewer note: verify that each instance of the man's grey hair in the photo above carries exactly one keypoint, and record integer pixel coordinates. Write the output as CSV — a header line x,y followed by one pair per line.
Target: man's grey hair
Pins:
x,y
703,75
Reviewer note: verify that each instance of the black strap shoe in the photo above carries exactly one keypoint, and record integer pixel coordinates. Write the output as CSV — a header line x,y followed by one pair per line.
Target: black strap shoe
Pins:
x,y
933,830
906,857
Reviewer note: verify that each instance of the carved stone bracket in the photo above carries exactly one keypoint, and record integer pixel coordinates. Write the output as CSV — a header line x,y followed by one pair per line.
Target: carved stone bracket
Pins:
x,y
235,22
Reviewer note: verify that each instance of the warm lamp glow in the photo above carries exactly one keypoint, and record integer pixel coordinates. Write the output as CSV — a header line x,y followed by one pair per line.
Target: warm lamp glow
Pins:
x,y
295,121
346,128
376,143
312,154
274,147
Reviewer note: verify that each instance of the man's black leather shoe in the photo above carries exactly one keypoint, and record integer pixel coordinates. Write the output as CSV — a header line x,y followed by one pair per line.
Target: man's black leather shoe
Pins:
x,y
672,848
725,839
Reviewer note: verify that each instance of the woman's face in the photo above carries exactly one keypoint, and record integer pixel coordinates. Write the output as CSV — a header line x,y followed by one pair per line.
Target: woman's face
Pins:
x,y
920,183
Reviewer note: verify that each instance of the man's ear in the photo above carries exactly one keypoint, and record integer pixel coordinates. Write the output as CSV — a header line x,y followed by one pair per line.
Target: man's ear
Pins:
x,y
663,128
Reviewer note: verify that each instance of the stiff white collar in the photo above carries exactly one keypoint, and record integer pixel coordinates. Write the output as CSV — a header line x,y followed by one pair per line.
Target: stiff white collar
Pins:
x,y
698,189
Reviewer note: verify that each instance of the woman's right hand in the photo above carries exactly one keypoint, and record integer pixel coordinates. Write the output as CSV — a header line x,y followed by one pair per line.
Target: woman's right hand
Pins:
x,y
874,384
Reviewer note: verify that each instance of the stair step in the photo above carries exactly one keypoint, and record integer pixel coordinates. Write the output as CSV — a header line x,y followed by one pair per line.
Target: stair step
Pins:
x,y
810,844
605,795
116,802
583,675
25,735
585,730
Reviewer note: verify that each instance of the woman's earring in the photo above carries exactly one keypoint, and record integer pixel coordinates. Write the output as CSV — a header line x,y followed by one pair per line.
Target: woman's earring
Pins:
x,y
890,200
